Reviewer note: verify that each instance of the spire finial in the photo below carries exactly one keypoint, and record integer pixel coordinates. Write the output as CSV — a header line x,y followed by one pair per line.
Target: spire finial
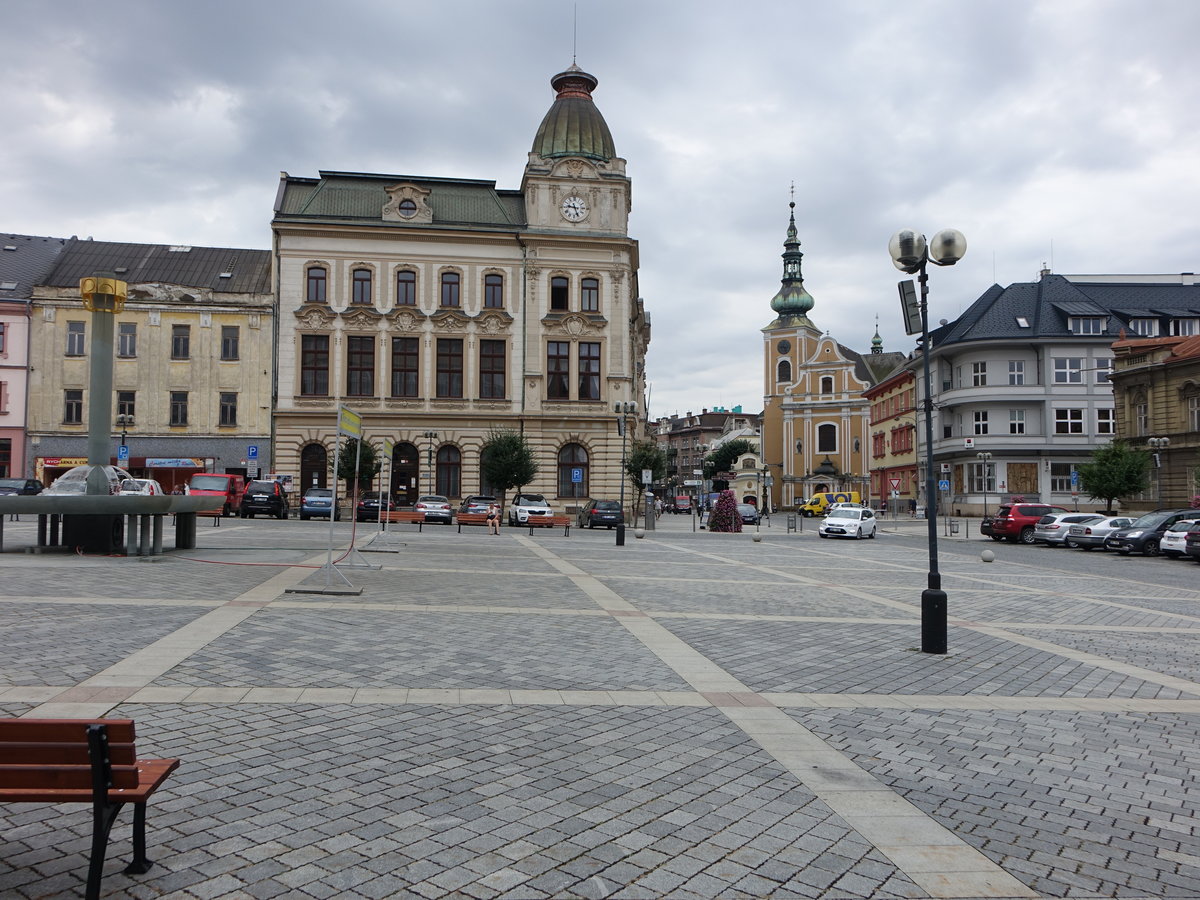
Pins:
x,y
575,33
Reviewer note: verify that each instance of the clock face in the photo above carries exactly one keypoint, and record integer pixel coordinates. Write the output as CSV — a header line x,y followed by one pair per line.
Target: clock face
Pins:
x,y
574,208
783,346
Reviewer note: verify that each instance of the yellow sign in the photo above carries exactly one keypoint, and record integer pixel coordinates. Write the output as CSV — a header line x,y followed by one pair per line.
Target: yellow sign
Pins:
x,y
349,422
388,446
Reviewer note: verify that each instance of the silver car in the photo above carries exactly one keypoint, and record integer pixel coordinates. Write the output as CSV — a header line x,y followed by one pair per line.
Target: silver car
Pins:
x,y
1053,529
1087,536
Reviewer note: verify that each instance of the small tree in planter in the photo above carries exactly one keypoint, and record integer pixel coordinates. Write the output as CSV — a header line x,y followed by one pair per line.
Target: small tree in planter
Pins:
x,y
725,514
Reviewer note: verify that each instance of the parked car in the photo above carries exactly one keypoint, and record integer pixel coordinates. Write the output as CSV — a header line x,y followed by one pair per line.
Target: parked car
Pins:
x,y
526,506
607,513
74,481
436,508
370,504
476,503
1092,535
749,513
848,521
22,486
266,497
1174,539
220,484
1053,530
1145,534
1192,542
318,501
1016,521
145,486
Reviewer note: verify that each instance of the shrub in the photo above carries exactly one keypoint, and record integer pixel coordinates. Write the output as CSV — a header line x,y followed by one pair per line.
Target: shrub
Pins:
x,y
725,516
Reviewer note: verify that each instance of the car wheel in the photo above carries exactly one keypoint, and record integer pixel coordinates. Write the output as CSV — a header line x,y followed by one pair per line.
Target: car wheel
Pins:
x,y
226,512
283,513
822,536
303,517
1150,548
1070,544
1171,554
1026,536
872,534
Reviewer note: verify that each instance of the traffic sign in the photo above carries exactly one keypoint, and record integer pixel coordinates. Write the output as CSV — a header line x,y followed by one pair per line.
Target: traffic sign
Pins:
x,y
691,482
123,453
1074,478
576,475
894,483
252,452
944,485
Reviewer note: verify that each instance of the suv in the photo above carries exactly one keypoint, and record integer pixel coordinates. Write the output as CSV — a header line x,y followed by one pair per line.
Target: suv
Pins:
x,y
601,512
266,497
1016,521
371,505
527,506
1144,535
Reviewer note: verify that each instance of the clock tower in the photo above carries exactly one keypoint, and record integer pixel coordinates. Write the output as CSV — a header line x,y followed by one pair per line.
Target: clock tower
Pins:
x,y
574,181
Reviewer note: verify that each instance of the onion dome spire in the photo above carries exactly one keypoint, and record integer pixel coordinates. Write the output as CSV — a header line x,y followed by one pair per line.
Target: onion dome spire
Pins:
x,y
573,126
877,341
793,302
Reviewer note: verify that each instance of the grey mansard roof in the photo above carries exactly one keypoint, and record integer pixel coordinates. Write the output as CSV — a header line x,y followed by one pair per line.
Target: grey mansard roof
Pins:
x,y
24,261
244,271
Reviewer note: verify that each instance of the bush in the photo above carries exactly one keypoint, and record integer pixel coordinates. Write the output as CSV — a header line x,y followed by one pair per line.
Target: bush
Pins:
x,y
725,514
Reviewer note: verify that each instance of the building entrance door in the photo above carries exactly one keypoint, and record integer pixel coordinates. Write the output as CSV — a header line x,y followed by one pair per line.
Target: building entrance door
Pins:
x,y
405,471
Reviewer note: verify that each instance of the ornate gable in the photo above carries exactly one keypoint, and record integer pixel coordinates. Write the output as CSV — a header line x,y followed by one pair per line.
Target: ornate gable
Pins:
x,y
408,203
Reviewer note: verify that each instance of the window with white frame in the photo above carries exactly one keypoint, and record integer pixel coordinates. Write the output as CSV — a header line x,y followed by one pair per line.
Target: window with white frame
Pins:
x,y
1186,327
1193,412
1068,370
1103,369
1016,421
1060,477
1141,416
1016,371
76,332
1068,421
979,374
1086,324
981,421
983,478
1143,327
1106,421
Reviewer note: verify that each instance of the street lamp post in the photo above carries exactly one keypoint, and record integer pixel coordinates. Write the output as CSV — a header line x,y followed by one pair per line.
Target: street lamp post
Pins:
x,y
623,409
1159,446
986,459
125,420
911,254
430,436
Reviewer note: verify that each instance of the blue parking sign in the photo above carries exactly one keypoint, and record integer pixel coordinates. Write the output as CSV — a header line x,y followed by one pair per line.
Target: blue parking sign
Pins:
x,y
253,452
577,476
123,453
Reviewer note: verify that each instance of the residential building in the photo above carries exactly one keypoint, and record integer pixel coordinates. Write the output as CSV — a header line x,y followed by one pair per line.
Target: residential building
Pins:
x,y
894,423
24,259
193,350
442,310
1023,374
688,439
1156,392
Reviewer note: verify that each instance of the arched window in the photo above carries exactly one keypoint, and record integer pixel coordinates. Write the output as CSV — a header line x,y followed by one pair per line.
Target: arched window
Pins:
x,y
493,291
450,286
827,438
361,287
406,288
784,372
449,471
485,486
314,467
827,384
589,295
572,471
316,285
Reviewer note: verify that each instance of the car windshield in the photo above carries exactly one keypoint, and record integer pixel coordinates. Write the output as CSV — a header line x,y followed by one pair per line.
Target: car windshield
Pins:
x,y
433,499
261,487
612,505
1152,520
12,483
1183,525
845,513
319,492
531,500
209,483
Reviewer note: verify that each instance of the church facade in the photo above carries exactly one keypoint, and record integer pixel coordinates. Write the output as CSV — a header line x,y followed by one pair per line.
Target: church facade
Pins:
x,y
442,310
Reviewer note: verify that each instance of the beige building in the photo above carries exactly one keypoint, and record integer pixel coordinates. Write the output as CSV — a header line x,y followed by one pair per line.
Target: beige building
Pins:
x,y
443,309
193,349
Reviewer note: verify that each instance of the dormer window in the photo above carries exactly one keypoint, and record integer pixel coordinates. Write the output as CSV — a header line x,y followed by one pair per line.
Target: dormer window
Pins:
x,y
1086,324
1144,327
406,208
1185,327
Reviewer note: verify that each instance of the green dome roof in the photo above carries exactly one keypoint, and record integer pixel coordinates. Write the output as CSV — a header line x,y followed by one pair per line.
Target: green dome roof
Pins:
x,y
573,126
793,301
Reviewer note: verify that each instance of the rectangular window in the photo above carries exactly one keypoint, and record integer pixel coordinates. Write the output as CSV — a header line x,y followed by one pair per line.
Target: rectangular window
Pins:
x,y
405,371
1141,419
72,407
1060,477
3,336
589,371
1103,369
229,342
1068,421
589,295
1068,370
983,478
181,341
316,285
493,292
127,340
450,286
979,374
361,287
558,370
76,333
1016,371
1144,327
981,422
449,367
1086,324
1016,421
179,408
1106,421
360,366
406,288
228,410
558,293
1193,407
1185,327
126,403
491,370
314,365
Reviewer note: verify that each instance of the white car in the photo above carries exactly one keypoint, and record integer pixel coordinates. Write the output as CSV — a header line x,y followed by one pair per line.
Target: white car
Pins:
x,y
1173,543
527,506
147,487
848,521
74,481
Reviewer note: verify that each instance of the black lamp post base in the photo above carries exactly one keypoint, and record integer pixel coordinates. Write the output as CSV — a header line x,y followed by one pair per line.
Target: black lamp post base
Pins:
x,y
620,535
933,621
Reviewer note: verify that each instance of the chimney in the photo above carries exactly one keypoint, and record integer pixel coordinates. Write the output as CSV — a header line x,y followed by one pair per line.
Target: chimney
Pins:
x,y
703,412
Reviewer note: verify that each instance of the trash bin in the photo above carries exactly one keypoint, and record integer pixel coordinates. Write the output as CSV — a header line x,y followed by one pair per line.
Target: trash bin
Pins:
x,y
953,526
791,522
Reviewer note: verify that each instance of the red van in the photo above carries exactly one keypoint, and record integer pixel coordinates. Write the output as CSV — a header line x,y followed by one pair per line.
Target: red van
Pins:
x,y
231,487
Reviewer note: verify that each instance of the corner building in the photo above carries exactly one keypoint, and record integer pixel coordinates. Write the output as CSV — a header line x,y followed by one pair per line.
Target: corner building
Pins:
x,y
441,309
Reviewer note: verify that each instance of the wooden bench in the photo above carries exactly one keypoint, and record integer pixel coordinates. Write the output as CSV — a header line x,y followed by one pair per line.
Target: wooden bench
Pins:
x,y
469,519
406,515
563,522
82,761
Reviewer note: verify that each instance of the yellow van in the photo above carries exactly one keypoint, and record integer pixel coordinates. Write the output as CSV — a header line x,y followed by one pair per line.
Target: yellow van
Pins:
x,y
821,502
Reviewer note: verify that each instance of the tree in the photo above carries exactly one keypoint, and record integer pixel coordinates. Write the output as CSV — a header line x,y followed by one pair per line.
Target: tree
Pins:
x,y
723,458
1116,470
369,464
725,516
506,461
644,454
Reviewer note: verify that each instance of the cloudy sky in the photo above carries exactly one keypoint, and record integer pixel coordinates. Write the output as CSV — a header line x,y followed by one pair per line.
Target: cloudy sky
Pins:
x,y
1061,132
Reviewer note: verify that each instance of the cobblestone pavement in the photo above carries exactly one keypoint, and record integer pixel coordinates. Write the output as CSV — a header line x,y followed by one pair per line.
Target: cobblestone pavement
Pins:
x,y
692,715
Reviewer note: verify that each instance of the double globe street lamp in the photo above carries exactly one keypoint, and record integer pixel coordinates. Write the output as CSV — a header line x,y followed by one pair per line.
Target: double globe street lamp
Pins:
x,y
911,253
